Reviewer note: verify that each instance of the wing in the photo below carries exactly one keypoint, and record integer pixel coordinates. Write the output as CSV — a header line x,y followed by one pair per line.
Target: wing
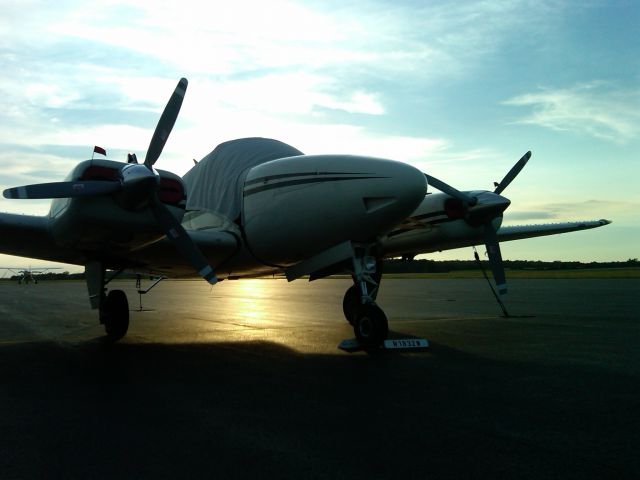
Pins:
x,y
518,232
30,236
439,233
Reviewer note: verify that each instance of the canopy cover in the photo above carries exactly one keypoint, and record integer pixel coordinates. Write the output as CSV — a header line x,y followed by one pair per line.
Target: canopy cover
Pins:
x,y
214,185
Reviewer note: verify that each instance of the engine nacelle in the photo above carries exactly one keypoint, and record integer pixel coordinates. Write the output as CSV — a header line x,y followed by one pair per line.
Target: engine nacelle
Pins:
x,y
440,222
105,221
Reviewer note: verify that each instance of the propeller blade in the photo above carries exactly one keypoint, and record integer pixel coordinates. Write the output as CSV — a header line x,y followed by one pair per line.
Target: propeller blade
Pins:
x,y
63,189
515,170
165,124
449,190
182,241
495,257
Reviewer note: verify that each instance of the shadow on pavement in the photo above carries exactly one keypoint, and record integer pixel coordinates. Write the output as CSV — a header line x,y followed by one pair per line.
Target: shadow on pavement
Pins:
x,y
258,409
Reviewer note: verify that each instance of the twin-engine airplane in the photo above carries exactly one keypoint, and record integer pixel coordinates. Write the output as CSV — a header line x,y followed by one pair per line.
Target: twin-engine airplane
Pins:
x,y
255,207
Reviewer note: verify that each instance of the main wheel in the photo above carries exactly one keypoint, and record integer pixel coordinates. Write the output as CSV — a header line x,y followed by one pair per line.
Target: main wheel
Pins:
x,y
114,313
370,326
350,303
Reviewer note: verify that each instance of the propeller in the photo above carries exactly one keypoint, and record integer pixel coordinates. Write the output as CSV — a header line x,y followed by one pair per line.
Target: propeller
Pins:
x,y
481,209
63,189
515,170
165,124
138,187
449,190
495,257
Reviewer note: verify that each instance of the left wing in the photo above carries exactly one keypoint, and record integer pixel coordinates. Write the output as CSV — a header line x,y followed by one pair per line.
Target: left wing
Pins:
x,y
438,234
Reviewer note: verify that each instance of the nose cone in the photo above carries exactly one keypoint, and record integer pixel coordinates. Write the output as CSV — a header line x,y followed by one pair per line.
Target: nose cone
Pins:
x,y
395,190
489,206
139,183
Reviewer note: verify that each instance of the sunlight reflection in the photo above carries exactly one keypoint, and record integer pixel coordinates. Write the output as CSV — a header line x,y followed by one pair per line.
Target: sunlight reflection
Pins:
x,y
251,301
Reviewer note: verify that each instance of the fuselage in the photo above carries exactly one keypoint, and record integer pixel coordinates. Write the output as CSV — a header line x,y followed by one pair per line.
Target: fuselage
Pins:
x,y
291,208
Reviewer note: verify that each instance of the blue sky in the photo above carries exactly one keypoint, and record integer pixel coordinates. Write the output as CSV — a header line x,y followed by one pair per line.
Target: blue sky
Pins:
x,y
458,89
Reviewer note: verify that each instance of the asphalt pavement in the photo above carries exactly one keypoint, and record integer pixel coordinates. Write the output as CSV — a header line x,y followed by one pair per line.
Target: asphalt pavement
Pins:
x,y
244,380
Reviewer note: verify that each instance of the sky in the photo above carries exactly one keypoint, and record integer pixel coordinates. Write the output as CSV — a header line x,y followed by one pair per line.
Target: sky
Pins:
x,y
460,90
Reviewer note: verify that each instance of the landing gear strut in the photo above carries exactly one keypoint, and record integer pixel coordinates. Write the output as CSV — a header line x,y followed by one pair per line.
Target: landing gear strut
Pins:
x,y
369,321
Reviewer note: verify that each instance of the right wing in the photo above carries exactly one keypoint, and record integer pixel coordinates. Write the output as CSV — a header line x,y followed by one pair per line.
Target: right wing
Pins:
x,y
518,232
30,236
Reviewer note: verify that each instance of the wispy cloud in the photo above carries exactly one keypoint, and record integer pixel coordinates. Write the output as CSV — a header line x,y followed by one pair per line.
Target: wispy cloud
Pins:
x,y
597,109
619,211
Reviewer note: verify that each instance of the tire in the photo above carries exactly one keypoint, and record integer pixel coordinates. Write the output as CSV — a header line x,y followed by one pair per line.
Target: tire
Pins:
x,y
115,315
370,326
350,303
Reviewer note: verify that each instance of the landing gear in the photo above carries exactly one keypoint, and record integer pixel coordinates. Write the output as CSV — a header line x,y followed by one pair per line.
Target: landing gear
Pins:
x,y
114,314
113,307
350,303
370,326
369,321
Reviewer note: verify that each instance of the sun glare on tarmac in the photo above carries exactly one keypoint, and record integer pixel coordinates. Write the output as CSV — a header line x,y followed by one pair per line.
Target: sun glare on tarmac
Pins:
x,y
251,301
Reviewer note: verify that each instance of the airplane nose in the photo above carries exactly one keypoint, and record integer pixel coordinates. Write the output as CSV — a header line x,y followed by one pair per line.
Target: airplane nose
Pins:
x,y
399,190
299,206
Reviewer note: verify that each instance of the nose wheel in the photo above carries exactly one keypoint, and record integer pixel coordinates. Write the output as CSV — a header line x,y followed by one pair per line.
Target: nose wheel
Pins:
x,y
370,325
350,303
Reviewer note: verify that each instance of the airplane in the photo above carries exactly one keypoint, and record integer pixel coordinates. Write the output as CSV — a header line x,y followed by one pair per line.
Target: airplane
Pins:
x,y
255,207
27,274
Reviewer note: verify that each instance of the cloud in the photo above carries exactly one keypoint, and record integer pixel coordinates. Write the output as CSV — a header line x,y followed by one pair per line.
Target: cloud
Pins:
x,y
596,109
619,211
527,216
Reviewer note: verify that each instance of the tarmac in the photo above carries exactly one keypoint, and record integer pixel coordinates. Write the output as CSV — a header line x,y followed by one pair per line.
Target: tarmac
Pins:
x,y
244,380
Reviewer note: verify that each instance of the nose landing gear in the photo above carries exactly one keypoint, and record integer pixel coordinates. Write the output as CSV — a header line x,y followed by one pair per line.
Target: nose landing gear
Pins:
x,y
369,321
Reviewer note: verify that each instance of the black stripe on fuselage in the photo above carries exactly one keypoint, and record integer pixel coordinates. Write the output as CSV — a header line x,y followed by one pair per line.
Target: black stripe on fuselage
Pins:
x,y
302,181
299,174
404,229
426,215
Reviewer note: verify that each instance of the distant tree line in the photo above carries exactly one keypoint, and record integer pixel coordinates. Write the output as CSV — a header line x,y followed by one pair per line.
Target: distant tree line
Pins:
x,y
444,266
419,266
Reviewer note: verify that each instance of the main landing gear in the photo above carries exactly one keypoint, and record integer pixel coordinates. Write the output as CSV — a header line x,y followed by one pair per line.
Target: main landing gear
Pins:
x,y
369,321
113,307
114,314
